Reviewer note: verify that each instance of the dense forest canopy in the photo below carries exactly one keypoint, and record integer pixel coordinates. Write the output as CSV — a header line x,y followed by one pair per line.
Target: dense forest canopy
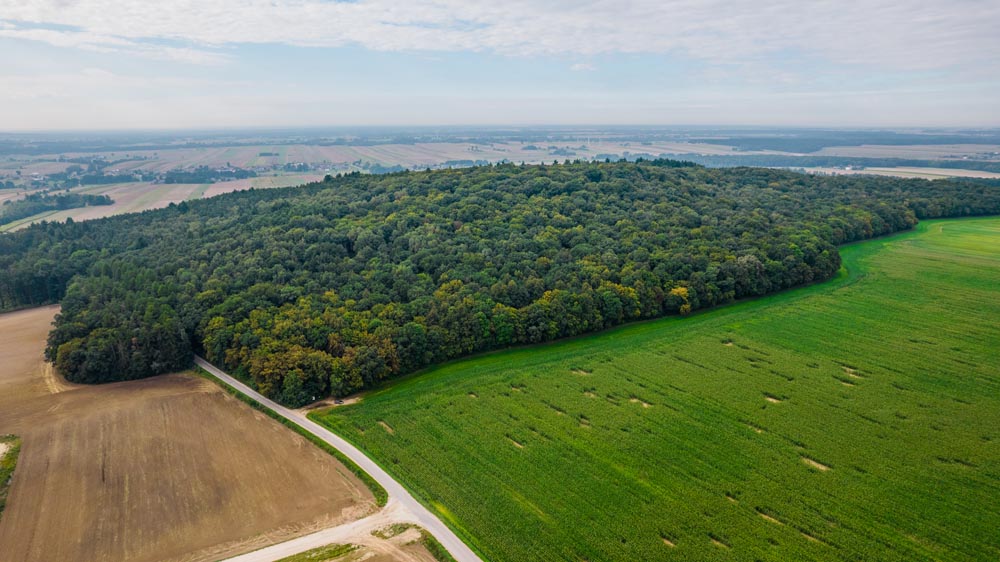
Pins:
x,y
337,285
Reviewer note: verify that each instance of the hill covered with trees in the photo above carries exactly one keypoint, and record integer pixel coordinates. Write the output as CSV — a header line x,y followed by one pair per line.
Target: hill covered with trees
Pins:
x,y
337,285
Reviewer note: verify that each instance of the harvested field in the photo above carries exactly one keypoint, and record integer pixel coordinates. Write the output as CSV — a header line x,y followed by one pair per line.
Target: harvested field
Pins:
x,y
167,468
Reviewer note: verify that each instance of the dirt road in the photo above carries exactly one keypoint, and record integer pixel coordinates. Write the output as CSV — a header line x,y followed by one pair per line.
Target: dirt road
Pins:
x,y
356,532
405,506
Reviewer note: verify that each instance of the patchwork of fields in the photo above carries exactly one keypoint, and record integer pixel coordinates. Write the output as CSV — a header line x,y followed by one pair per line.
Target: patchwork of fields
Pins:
x,y
856,419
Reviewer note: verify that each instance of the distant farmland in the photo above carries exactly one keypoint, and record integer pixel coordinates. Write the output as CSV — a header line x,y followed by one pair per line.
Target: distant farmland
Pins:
x,y
856,419
908,172
133,197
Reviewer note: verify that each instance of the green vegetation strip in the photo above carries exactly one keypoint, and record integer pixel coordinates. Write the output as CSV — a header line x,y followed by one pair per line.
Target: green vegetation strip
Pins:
x,y
8,462
322,554
854,419
436,549
381,496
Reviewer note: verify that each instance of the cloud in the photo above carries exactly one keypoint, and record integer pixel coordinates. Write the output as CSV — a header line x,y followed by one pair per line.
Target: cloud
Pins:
x,y
107,43
583,67
915,35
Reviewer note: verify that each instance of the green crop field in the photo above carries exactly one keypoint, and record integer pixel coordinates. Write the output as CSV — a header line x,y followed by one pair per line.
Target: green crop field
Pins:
x,y
857,419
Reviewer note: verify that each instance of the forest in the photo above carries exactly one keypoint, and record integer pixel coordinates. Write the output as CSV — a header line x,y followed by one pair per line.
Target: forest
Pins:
x,y
335,286
35,203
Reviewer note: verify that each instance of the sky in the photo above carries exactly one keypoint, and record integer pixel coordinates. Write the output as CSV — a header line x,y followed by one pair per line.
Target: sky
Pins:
x,y
125,64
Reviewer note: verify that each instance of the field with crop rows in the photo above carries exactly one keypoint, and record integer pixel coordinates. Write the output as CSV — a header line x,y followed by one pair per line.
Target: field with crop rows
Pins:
x,y
857,419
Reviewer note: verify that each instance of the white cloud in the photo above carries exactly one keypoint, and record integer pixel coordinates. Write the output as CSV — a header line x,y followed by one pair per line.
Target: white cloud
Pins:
x,y
919,34
583,67
107,43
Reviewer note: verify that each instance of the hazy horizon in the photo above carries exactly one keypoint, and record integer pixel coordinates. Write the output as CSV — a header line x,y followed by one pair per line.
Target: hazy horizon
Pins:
x,y
246,64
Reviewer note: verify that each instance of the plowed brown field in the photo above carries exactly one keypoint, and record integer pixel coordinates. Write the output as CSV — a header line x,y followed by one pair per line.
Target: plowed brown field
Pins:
x,y
168,468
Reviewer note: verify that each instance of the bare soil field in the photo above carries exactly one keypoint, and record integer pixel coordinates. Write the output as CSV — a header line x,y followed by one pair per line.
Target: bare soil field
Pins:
x,y
11,194
9,169
261,182
167,468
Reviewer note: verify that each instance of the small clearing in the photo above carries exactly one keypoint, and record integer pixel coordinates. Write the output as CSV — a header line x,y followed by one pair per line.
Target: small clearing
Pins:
x,y
767,517
515,443
815,464
851,372
330,402
668,542
388,429
581,372
645,404
772,399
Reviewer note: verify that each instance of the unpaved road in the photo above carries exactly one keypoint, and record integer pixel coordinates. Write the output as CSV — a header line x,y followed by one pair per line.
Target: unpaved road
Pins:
x,y
403,505
356,532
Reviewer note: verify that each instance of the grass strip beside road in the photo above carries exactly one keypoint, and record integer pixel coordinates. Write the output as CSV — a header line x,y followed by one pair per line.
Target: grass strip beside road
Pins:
x,y
437,550
8,462
322,554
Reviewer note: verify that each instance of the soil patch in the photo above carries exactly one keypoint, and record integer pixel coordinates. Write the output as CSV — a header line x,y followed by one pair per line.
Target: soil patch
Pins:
x,y
645,404
815,464
767,517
